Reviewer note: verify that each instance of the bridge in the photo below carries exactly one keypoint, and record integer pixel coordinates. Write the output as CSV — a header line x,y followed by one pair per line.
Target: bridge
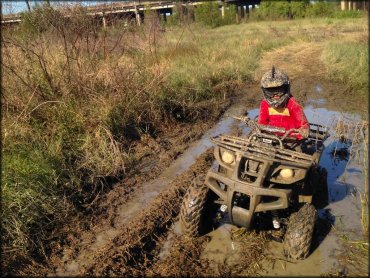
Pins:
x,y
135,9
354,5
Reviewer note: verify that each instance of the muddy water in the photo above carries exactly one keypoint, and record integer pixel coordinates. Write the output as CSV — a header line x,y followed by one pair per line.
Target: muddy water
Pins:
x,y
143,196
345,181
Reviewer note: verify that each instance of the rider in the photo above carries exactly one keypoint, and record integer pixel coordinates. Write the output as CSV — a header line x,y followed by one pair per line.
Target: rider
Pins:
x,y
279,108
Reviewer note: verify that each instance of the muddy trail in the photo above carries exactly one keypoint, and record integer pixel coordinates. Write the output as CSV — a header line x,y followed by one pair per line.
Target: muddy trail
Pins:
x,y
145,236
140,234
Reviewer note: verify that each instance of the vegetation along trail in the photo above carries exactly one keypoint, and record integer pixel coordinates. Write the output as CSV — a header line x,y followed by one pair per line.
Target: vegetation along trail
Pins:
x,y
120,191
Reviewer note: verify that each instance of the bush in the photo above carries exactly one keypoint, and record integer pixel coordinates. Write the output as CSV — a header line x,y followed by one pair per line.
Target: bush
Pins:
x,y
41,19
273,9
181,15
209,14
298,8
321,9
348,14
29,181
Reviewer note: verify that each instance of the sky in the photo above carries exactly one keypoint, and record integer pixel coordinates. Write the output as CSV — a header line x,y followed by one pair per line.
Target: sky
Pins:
x,y
9,7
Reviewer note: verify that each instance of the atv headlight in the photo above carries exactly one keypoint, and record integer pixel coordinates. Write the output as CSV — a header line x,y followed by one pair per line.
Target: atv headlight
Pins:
x,y
286,173
228,157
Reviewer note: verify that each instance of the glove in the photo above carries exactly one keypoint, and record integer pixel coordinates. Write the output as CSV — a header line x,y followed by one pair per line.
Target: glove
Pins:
x,y
304,132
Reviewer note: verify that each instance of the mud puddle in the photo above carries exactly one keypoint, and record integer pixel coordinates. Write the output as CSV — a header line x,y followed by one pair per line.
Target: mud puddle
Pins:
x,y
341,216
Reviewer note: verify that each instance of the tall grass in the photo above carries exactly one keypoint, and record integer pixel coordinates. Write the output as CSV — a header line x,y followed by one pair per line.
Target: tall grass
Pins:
x,y
364,197
357,135
347,62
273,10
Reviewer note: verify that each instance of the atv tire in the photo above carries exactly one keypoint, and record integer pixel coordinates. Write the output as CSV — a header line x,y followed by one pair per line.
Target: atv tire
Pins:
x,y
194,209
298,237
321,196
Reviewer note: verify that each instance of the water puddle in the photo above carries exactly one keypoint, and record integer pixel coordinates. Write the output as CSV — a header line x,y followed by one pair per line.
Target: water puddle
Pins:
x,y
318,89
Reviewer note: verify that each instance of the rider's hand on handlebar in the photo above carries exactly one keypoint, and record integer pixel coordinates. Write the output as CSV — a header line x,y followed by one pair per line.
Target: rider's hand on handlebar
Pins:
x,y
304,132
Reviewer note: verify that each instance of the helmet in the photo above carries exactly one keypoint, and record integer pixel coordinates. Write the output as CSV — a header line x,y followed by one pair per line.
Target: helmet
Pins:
x,y
276,87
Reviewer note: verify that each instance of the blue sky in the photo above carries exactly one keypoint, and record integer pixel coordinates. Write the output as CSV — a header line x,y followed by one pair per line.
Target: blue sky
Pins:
x,y
20,6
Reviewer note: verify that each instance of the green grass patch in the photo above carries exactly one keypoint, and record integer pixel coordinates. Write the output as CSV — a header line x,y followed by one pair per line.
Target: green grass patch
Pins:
x,y
348,63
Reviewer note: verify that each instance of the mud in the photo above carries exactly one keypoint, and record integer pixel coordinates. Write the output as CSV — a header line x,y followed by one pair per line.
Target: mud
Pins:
x,y
74,261
137,231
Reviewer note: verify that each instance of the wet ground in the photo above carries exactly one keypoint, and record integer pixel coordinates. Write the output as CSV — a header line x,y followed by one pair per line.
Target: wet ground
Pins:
x,y
341,217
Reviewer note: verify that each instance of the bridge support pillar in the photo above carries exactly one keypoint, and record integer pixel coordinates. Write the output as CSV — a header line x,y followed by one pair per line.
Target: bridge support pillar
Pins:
x,y
138,18
343,5
350,5
242,14
223,10
137,15
247,10
104,19
237,15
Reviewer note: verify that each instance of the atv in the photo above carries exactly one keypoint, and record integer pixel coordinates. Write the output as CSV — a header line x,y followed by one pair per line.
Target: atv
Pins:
x,y
265,174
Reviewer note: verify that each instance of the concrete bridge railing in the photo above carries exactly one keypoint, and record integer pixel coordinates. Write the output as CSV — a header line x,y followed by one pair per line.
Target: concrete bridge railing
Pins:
x,y
137,9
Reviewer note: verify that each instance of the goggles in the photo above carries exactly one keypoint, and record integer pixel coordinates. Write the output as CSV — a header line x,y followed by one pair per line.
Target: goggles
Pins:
x,y
277,91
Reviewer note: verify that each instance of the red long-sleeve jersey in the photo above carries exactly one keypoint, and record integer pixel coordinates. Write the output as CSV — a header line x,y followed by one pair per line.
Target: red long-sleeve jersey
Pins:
x,y
288,117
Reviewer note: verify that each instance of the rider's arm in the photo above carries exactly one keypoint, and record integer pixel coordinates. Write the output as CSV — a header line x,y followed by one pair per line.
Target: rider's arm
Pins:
x,y
299,117
263,117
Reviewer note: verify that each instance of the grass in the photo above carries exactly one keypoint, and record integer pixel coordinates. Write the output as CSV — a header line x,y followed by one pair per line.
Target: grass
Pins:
x,y
347,63
356,135
75,99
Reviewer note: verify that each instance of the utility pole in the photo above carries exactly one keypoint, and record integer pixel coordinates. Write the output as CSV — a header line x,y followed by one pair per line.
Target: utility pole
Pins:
x,y
137,14
28,5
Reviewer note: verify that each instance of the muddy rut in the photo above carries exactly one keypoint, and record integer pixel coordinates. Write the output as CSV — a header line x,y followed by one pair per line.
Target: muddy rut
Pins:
x,y
142,237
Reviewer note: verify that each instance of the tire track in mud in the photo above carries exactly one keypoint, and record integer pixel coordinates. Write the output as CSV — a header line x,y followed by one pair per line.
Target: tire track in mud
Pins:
x,y
130,252
136,251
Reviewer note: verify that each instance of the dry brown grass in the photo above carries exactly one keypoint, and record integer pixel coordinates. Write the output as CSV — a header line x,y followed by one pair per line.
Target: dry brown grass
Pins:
x,y
297,60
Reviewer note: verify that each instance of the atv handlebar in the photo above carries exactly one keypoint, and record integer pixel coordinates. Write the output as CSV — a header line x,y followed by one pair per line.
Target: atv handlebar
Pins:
x,y
320,133
268,128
